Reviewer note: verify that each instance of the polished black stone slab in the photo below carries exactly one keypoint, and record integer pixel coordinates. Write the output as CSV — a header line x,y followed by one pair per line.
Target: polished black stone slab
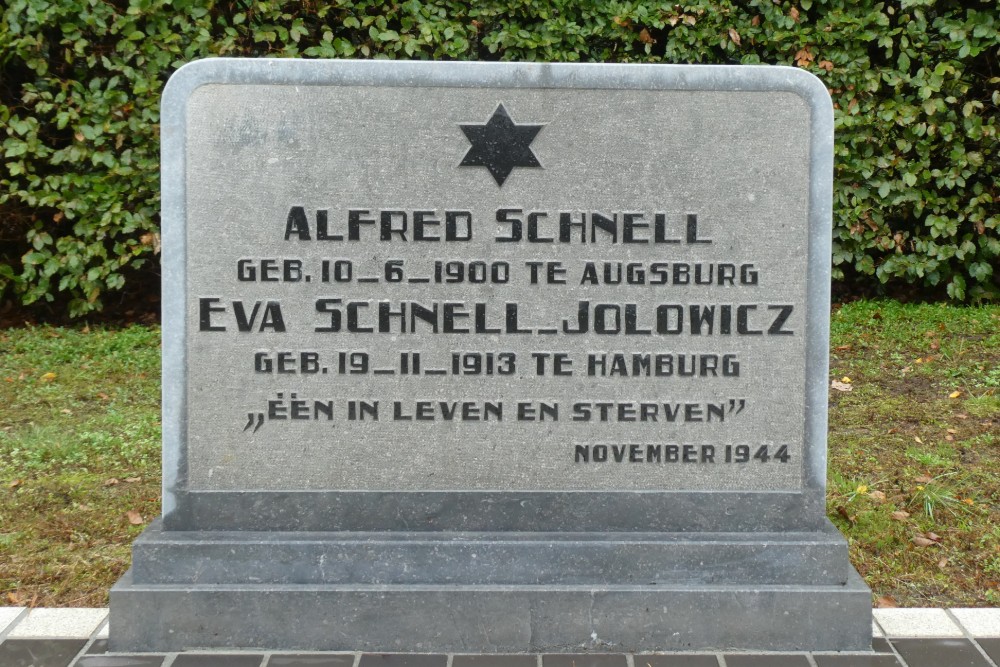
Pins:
x,y
39,652
939,652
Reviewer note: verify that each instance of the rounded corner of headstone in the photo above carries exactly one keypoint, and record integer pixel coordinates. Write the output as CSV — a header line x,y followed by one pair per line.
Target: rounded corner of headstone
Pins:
x,y
810,88
189,77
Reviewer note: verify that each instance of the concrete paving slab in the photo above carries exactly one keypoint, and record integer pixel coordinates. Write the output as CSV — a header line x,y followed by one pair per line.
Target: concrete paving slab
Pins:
x,y
7,617
979,622
59,623
916,623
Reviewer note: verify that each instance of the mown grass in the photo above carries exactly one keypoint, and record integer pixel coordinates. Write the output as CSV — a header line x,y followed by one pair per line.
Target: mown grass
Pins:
x,y
79,452
914,450
914,454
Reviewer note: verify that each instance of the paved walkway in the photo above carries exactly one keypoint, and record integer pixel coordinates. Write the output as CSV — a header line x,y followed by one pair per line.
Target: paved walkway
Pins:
x,y
903,637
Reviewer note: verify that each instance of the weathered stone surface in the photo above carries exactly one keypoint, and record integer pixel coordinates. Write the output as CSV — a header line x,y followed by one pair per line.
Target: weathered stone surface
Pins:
x,y
507,357
494,619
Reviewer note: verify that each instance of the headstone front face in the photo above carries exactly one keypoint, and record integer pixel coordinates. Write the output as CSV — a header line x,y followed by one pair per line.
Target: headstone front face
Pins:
x,y
494,357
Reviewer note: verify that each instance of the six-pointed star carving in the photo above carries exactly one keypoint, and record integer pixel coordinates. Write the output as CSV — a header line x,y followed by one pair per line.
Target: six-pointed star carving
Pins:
x,y
500,145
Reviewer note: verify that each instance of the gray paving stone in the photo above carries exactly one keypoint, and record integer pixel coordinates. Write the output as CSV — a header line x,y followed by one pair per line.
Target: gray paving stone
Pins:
x,y
979,622
939,652
676,661
60,623
119,661
879,660
217,660
39,652
7,616
402,660
311,660
881,645
770,660
992,648
917,623
584,660
494,661
98,647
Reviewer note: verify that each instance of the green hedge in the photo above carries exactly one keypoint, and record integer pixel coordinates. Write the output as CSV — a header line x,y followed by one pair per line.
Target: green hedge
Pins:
x,y
916,86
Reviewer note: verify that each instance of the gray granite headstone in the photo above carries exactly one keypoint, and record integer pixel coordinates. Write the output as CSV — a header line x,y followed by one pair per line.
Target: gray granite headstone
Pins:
x,y
493,357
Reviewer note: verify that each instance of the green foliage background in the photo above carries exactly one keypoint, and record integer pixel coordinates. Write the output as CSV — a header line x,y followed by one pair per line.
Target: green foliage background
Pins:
x,y
916,87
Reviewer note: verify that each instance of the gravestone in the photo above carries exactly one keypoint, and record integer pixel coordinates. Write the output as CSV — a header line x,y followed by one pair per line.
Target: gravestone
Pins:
x,y
493,357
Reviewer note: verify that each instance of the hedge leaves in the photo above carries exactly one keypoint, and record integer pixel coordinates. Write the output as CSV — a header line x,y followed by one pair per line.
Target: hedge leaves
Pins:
x,y
916,87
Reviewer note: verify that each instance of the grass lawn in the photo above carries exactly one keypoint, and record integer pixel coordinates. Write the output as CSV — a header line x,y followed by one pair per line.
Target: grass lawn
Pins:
x,y
914,474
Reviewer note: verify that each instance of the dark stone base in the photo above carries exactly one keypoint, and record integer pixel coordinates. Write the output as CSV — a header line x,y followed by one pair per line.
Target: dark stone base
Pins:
x,y
491,593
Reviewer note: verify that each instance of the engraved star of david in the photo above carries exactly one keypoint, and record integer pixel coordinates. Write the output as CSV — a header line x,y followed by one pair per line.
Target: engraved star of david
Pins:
x,y
500,145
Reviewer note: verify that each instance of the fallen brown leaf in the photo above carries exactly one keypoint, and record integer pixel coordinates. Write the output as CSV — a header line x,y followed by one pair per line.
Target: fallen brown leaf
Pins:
x,y
922,541
794,13
133,480
877,496
735,36
933,536
900,515
645,37
111,482
841,386
842,511
886,602
923,479
943,563
15,483
134,518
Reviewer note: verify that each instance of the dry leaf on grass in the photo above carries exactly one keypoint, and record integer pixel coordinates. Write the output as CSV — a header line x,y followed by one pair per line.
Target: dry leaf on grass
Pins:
x,y
922,541
842,511
900,515
841,386
134,518
886,602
